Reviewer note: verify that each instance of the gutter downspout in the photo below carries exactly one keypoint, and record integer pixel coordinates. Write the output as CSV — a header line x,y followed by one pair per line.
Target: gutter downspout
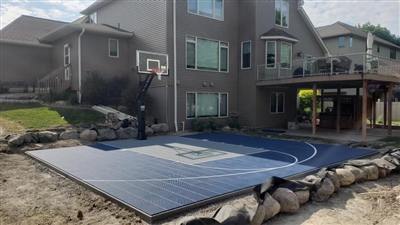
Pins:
x,y
175,72
80,66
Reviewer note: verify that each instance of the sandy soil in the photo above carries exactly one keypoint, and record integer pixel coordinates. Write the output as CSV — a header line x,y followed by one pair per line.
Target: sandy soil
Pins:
x,y
32,194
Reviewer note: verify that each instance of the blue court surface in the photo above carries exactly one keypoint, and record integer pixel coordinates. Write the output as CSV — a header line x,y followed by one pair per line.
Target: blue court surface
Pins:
x,y
164,175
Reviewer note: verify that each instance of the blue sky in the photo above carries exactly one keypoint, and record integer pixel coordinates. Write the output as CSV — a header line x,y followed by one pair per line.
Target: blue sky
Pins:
x,y
321,12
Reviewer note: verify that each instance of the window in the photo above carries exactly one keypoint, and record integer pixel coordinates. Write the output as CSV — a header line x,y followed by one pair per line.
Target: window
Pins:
x,y
286,55
67,61
378,49
271,53
209,8
113,48
341,42
203,54
206,105
393,53
93,18
246,55
277,102
351,42
282,13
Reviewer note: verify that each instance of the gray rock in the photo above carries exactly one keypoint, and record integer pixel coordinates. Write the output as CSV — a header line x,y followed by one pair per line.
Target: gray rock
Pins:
x,y
371,172
302,196
192,220
271,207
89,135
31,137
287,199
236,216
126,133
226,129
61,103
257,214
345,177
357,172
160,128
16,141
70,134
335,180
149,131
106,135
47,136
324,190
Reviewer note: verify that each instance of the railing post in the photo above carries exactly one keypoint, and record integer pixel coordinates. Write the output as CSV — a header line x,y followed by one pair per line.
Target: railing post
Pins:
x,y
331,59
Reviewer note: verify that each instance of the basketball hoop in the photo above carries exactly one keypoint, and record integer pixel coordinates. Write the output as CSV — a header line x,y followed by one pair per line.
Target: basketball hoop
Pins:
x,y
158,72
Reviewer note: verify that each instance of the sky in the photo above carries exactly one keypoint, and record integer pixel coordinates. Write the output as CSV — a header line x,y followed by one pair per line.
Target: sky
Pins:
x,y
321,12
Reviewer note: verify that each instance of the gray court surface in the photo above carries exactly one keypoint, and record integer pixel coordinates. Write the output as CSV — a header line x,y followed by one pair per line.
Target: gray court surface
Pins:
x,y
164,175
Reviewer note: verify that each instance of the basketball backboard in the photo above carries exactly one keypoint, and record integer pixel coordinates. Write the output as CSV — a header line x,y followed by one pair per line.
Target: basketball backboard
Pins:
x,y
147,61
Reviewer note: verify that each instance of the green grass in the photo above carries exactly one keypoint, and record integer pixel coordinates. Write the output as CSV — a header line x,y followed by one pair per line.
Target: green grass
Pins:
x,y
37,116
394,139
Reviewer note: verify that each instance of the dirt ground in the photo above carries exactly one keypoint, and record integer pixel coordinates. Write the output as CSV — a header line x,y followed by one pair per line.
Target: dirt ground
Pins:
x,y
30,193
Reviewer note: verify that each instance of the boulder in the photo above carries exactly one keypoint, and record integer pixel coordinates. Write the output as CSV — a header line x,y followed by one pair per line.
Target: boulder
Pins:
x,y
149,131
287,199
47,136
192,220
16,141
382,172
90,135
31,137
335,180
302,196
257,215
226,129
106,135
371,172
323,190
69,134
345,177
236,216
126,133
61,103
271,207
357,172
160,128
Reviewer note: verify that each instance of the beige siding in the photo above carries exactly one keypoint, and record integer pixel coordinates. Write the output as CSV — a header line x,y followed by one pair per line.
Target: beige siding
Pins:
x,y
23,63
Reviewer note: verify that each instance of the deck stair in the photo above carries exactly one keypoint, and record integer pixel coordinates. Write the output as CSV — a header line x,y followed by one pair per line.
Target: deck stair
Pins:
x,y
56,81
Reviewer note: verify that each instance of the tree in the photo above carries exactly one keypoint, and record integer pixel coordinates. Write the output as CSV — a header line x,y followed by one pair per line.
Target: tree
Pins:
x,y
305,103
381,32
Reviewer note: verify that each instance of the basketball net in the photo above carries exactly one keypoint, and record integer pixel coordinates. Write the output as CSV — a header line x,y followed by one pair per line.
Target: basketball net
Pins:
x,y
158,72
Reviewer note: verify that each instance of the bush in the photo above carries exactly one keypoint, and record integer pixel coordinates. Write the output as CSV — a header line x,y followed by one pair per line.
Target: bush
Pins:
x,y
233,121
115,86
205,124
94,89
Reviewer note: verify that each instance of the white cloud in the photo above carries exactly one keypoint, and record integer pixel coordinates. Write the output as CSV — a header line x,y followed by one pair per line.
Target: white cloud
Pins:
x,y
11,12
353,12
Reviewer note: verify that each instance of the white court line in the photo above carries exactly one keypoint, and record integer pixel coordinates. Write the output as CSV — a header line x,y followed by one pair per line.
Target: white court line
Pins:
x,y
216,176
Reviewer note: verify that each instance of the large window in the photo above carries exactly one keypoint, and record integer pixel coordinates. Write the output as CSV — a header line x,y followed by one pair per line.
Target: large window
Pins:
x,y
209,8
206,105
286,55
113,48
282,13
246,55
277,102
393,53
271,54
203,54
341,42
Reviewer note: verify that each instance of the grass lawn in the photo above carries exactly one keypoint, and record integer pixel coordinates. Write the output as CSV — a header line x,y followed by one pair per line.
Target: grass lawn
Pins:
x,y
37,116
394,139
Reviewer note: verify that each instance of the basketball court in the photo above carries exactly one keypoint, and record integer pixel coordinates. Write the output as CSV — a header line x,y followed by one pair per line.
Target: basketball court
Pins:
x,y
165,175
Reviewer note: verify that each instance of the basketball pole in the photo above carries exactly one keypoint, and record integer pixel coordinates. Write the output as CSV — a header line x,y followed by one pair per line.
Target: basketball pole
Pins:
x,y
141,100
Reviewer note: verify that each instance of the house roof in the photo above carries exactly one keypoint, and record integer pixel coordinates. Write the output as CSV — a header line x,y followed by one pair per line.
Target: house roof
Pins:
x,y
94,28
82,19
28,29
279,34
340,29
95,6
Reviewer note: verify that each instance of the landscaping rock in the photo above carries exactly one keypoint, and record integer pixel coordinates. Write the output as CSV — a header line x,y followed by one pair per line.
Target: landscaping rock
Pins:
x,y
287,199
323,190
192,220
226,129
357,172
382,172
149,131
257,215
126,133
371,172
47,136
90,135
160,128
31,137
346,178
70,134
271,207
302,196
61,103
16,141
235,215
106,135
335,180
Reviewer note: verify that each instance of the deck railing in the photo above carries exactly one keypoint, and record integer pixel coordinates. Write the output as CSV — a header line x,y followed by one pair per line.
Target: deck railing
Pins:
x,y
58,81
333,65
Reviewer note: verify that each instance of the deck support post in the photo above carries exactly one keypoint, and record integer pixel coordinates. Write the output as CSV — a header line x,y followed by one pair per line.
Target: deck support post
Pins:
x,y
338,108
322,100
390,111
364,111
314,110
385,100
373,110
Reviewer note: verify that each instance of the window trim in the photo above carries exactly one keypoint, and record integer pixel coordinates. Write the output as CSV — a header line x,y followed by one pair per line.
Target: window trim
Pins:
x,y
277,105
219,103
67,55
109,48
291,56
196,51
266,55
280,2
211,17
241,56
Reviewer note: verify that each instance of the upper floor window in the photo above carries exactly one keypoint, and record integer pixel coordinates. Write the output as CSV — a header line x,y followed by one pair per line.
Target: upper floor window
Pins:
x,y
350,42
246,55
286,55
209,8
393,53
113,48
271,54
282,13
93,18
67,54
341,42
204,54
